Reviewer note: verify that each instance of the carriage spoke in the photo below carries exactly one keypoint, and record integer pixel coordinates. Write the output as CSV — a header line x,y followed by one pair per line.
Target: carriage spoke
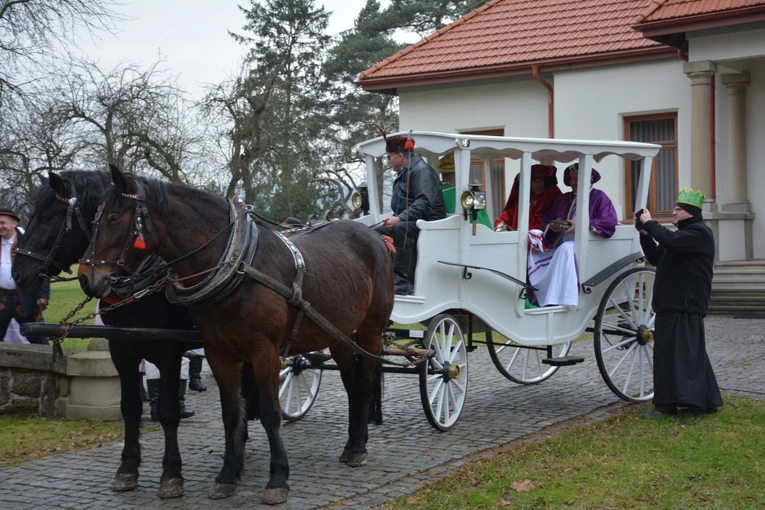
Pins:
x,y
444,378
623,340
520,364
299,386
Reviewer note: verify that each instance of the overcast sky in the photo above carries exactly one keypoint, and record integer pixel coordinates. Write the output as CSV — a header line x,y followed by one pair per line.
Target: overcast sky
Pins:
x,y
192,36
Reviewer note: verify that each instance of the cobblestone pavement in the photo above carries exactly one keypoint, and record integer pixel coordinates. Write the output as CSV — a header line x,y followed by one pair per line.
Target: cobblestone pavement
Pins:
x,y
404,453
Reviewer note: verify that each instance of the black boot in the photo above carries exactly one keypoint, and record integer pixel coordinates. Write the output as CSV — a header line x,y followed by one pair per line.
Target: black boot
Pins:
x,y
144,395
401,260
153,385
195,374
185,413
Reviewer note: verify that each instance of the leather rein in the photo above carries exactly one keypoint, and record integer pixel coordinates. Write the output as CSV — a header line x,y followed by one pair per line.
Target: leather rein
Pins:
x,y
235,263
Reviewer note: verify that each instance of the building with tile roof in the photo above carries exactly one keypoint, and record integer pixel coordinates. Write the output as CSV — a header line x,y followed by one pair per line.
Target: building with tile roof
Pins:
x,y
688,74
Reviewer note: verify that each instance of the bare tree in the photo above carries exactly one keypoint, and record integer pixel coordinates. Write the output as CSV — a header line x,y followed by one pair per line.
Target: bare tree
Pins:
x,y
131,117
30,31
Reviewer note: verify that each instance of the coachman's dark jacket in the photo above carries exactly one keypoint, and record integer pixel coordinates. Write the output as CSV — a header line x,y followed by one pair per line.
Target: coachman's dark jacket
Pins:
x,y
684,261
417,192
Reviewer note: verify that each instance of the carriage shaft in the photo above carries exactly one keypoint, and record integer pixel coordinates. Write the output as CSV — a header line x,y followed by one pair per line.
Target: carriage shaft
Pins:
x,y
37,329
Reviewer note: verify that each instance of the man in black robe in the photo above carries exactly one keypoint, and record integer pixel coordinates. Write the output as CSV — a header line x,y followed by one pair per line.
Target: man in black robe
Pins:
x,y
683,375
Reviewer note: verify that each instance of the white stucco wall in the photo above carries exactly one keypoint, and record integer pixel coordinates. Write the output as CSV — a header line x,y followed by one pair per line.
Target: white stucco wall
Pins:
x,y
519,107
592,104
723,47
516,107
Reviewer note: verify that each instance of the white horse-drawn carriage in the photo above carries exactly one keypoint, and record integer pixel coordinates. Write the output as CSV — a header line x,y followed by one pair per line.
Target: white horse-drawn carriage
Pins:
x,y
471,279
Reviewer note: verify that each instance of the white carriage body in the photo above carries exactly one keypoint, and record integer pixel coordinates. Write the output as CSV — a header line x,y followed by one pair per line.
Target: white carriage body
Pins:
x,y
496,300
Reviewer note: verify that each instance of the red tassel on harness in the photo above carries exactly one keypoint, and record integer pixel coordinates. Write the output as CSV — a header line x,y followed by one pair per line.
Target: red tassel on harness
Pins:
x,y
389,243
139,243
409,144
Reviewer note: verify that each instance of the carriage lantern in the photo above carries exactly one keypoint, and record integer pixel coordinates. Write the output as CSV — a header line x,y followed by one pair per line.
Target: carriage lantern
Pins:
x,y
360,199
472,201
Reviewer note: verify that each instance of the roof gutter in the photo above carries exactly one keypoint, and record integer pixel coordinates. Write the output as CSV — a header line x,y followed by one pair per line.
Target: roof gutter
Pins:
x,y
389,84
550,101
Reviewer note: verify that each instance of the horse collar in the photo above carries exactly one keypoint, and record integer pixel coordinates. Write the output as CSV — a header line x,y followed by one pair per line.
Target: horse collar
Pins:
x,y
218,284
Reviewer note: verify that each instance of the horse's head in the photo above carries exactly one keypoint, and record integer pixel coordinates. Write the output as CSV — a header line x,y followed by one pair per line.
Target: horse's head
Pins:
x,y
59,229
123,236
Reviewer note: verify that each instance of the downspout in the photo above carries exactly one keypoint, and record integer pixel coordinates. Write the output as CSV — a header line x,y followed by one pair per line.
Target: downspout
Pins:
x,y
712,139
550,101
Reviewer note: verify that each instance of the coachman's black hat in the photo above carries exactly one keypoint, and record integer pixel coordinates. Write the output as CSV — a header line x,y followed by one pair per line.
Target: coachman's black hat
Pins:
x,y
4,211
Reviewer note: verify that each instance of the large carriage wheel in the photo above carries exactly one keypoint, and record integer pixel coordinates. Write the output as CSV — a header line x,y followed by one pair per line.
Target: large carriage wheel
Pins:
x,y
299,384
444,376
522,365
624,335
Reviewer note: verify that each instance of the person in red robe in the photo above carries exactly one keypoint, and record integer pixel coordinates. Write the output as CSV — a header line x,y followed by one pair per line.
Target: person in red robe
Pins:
x,y
544,191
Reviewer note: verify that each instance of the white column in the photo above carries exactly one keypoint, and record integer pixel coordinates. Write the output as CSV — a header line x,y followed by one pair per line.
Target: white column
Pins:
x,y
736,85
701,115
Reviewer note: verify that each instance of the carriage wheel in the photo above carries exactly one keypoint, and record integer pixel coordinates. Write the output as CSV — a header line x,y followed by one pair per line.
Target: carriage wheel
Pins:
x,y
444,376
624,335
522,365
299,384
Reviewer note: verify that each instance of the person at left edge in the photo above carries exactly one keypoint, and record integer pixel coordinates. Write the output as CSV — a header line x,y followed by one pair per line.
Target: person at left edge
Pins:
x,y
416,196
24,305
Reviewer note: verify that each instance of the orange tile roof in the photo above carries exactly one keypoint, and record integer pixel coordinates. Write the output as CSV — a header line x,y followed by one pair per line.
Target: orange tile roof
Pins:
x,y
505,37
672,9
668,21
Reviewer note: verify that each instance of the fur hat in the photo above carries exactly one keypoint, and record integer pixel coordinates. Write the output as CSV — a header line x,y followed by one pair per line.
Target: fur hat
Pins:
x,y
398,143
7,212
594,176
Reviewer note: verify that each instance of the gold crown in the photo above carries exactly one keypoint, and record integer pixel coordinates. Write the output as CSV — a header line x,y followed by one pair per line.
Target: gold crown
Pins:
x,y
690,197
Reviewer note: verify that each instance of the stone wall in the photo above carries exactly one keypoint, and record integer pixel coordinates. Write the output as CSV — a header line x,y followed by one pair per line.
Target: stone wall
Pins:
x,y
79,385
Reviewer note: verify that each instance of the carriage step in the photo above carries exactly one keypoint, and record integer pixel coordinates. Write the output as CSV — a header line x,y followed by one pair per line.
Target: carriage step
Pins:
x,y
563,361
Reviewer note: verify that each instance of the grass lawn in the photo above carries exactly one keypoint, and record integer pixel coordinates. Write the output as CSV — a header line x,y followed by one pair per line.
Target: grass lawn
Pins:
x,y
627,461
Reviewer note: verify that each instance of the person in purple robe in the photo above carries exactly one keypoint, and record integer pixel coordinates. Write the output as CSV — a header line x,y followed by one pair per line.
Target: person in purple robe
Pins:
x,y
552,270
603,219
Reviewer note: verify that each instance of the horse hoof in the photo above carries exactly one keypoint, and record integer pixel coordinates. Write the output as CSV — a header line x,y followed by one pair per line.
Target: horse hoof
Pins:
x,y
221,490
345,455
275,496
124,482
357,460
170,488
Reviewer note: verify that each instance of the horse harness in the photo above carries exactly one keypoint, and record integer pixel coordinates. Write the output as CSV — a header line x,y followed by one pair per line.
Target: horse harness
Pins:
x,y
234,265
73,210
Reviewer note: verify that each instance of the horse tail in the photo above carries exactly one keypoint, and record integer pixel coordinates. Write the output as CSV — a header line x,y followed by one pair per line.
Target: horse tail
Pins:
x,y
375,410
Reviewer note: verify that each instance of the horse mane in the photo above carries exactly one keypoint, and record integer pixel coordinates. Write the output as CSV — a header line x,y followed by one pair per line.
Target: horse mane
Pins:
x,y
156,191
87,186
158,199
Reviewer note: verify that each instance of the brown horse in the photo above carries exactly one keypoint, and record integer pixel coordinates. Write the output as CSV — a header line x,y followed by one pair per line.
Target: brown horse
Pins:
x,y
56,237
347,277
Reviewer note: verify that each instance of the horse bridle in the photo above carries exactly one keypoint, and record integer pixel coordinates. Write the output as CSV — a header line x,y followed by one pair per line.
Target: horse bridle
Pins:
x,y
73,209
141,219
